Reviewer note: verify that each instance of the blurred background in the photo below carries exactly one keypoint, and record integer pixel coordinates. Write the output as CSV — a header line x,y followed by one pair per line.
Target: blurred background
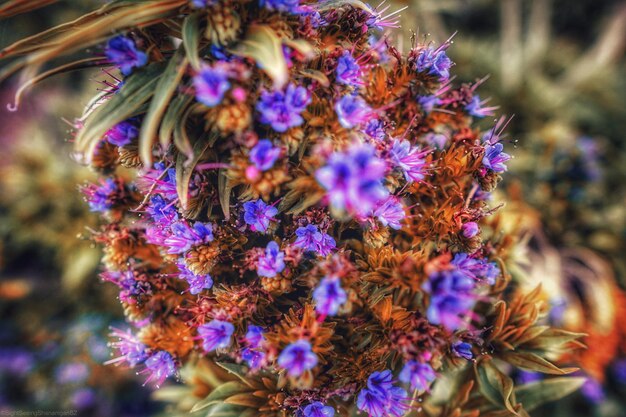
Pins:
x,y
557,66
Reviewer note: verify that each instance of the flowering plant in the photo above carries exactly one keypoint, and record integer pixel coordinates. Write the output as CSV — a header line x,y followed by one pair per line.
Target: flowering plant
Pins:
x,y
306,230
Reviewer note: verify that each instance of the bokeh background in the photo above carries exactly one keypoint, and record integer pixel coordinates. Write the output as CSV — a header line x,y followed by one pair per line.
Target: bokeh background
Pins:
x,y
557,66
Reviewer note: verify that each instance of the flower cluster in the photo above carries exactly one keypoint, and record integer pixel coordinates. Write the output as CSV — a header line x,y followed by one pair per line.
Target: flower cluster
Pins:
x,y
292,219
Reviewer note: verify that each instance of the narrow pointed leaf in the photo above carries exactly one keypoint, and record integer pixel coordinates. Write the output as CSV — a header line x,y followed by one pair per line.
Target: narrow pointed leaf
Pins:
x,y
224,188
494,385
184,171
533,362
265,47
191,39
165,88
172,117
538,393
137,90
219,394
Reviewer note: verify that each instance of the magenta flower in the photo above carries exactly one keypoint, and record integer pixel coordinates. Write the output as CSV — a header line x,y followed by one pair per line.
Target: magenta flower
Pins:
x,y
419,375
409,159
122,52
352,111
297,358
258,215
329,296
470,229
216,335
211,83
282,110
161,212
272,262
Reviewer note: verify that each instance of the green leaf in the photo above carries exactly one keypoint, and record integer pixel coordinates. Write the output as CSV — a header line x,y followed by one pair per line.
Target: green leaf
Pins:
x,y
219,394
225,410
165,88
494,385
191,39
265,47
533,362
172,117
185,168
535,394
553,339
224,188
137,90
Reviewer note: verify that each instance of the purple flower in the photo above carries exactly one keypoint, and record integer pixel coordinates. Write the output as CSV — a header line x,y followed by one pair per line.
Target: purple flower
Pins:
x,y
470,229
354,180
101,198
435,62
474,107
183,236
197,283
410,160
258,215
390,213
71,373
162,212
160,366
83,398
297,358
122,52
329,296
494,158
199,4
318,409
252,353
311,239
216,335
352,111
272,262
429,102
131,350
375,129
282,110
527,377
211,83
436,140
463,350
122,133
264,154
348,70
285,6
381,398
592,390
16,361
419,375
129,286
254,336
476,269
451,298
